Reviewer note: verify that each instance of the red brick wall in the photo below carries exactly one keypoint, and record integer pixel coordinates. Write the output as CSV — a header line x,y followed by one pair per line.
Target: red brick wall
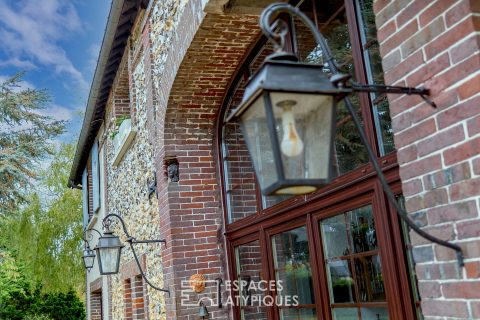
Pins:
x,y
96,305
121,94
134,288
191,215
96,299
127,299
134,298
436,44
250,269
138,298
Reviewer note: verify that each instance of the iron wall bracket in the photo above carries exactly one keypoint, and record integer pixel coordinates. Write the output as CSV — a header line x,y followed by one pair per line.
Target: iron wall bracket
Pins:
x,y
276,33
131,241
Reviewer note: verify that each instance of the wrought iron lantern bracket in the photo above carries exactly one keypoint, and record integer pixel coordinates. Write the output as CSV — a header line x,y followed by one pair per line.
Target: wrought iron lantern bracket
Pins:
x,y
131,241
276,33
88,236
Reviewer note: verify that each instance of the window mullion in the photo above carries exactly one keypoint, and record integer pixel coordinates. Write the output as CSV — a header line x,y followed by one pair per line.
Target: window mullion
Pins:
x,y
360,74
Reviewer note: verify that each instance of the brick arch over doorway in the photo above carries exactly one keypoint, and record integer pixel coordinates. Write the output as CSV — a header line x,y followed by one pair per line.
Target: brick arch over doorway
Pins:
x,y
191,217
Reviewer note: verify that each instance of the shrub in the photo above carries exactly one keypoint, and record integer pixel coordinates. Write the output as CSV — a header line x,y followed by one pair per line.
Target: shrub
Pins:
x,y
18,301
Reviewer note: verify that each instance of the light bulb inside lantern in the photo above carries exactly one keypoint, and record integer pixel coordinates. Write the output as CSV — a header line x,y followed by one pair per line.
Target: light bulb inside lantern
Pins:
x,y
291,145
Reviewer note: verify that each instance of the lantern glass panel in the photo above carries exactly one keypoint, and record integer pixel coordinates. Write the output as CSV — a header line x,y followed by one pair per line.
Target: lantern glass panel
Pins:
x,y
304,125
109,259
88,260
259,143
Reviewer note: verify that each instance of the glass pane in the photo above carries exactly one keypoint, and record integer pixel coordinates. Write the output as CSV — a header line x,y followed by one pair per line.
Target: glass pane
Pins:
x,y
298,314
302,125
354,271
253,313
267,201
349,152
374,313
291,259
341,283
109,259
239,174
335,237
249,268
255,127
373,62
369,279
362,230
345,313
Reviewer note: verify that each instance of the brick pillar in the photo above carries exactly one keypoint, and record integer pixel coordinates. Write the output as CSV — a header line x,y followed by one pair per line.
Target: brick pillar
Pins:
x,y
121,94
189,89
127,299
436,44
96,305
138,301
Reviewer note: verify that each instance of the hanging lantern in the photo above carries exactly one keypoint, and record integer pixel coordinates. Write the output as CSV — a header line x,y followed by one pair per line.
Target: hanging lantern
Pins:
x,y
287,117
108,250
88,258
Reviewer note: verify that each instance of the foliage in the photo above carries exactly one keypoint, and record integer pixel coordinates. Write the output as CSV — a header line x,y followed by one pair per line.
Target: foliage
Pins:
x,y
118,123
15,293
46,234
25,135
37,317
60,306
18,299
343,282
13,283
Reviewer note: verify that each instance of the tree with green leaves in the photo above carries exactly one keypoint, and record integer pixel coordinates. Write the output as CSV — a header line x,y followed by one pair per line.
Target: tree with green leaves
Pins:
x,y
15,290
46,233
25,139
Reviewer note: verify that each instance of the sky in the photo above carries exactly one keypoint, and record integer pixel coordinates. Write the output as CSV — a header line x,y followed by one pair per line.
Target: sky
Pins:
x,y
56,42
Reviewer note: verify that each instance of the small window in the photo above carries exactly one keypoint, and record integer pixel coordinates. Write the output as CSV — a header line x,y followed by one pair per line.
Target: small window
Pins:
x,y
85,198
121,122
374,73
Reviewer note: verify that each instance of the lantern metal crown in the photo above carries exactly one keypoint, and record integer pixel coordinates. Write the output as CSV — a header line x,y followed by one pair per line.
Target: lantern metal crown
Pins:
x,y
288,114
